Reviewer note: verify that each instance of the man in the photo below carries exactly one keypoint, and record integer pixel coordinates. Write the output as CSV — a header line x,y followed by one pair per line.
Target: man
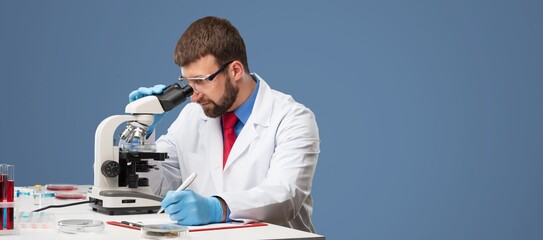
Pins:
x,y
254,149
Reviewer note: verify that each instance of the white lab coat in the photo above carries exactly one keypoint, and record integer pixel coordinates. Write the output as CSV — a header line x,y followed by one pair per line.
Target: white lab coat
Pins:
x,y
269,171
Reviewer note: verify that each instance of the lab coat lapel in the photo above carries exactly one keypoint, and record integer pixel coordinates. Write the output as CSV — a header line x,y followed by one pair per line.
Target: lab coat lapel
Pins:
x,y
211,135
252,128
243,141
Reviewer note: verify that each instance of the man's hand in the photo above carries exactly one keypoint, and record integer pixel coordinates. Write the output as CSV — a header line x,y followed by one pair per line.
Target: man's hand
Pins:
x,y
145,91
188,208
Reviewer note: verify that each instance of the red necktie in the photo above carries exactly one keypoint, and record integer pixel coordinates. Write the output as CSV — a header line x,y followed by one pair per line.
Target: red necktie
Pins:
x,y
229,120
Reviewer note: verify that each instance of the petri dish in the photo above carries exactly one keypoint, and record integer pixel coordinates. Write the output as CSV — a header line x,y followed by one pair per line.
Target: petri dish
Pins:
x,y
80,226
70,195
61,187
164,231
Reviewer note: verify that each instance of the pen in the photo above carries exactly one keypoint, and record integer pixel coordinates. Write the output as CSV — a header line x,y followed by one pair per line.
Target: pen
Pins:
x,y
183,186
131,224
118,224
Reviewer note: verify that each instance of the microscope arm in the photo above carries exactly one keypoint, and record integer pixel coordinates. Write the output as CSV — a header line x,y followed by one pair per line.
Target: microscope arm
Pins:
x,y
105,149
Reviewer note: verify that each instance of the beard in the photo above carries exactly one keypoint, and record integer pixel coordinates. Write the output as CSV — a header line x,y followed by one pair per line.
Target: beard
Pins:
x,y
226,101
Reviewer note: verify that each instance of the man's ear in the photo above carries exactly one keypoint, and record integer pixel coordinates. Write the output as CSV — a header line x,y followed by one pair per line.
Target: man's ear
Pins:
x,y
237,69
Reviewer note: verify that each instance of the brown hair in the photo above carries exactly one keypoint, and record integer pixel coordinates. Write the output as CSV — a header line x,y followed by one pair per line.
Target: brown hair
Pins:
x,y
211,35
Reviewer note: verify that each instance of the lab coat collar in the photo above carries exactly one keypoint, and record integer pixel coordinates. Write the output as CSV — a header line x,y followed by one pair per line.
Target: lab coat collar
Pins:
x,y
263,101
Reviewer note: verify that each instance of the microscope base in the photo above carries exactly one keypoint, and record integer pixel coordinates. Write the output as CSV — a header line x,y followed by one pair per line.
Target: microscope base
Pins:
x,y
121,202
124,211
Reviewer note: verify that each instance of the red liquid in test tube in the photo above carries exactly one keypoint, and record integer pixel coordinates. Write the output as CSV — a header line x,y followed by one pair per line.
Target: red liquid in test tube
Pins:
x,y
7,193
9,196
9,189
2,185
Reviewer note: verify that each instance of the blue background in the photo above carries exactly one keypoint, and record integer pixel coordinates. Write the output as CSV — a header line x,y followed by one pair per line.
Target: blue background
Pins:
x,y
430,112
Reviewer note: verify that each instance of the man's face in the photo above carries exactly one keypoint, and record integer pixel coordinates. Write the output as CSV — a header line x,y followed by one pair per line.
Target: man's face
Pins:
x,y
218,95
215,109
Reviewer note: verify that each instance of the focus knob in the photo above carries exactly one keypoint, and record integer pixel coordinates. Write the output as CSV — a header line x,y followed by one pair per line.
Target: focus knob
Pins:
x,y
110,168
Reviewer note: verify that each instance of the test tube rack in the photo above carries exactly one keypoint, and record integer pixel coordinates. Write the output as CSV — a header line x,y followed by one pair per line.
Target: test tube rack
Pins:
x,y
7,197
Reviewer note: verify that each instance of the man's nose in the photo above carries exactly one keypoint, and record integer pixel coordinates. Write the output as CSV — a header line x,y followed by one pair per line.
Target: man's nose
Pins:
x,y
195,96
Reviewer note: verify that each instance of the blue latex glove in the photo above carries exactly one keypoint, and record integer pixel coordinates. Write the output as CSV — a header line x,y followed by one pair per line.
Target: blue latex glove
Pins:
x,y
143,92
188,208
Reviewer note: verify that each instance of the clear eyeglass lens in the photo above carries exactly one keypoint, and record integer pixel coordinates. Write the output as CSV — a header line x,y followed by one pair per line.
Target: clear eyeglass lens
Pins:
x,y
199,85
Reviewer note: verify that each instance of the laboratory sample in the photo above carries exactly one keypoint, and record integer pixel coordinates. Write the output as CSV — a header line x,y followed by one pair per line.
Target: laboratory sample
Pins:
x,y
3,172
37,194
136,147
70,195
7,197
80,226
19,193
61,187
35,220
164,231
10,194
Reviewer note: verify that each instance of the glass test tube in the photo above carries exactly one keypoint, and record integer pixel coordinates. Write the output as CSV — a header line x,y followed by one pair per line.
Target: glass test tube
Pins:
x,y
3,175
3,180
37,195
10,193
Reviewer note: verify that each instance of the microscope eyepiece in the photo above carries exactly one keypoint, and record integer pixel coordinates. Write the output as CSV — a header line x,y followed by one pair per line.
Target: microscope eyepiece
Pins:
x,y
174,95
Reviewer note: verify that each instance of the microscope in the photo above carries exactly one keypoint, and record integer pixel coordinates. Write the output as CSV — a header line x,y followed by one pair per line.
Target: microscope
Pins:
x,y
117,188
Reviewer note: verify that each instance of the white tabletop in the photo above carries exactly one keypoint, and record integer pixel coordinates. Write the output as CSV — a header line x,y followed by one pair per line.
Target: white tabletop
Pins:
x,y
84,211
